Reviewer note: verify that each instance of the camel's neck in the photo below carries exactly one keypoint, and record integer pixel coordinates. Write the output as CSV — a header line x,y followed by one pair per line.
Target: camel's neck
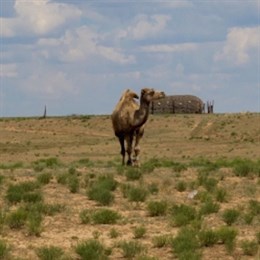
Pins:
x,y
141,115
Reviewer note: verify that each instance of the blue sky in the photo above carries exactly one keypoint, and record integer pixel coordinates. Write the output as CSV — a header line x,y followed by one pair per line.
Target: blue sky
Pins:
x,y
77,57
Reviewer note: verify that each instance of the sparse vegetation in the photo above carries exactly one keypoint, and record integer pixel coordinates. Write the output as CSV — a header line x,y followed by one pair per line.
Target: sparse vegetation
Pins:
x,y
227,236
183,199
4,249
131,248
186,244
91,249
157,208
182,215
17,218
50,253
44,178
105,216
208,237
249,247
161,241
230,216
101,190
139,231
137,194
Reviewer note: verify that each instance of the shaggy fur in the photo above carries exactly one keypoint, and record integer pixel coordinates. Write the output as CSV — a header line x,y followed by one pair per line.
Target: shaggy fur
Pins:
x,y
128,119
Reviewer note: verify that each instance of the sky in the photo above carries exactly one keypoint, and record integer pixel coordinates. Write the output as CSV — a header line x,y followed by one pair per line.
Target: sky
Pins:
x,y
78,56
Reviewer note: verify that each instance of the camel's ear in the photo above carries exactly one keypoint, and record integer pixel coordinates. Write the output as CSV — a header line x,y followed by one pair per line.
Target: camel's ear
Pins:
x,y
147,90
134,95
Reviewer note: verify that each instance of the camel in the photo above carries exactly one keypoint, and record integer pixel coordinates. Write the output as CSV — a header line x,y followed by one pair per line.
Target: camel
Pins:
x,y
129,118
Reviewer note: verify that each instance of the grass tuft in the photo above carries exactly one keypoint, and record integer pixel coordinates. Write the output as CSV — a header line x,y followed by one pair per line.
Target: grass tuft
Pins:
x,y
91,249
157,208
49,253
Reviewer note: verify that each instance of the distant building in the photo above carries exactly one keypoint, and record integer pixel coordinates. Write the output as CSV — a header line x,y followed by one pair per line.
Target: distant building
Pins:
x,y
178,104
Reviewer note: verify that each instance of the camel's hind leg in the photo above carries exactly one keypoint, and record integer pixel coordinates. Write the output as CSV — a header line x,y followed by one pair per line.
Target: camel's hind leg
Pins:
x,y
138,136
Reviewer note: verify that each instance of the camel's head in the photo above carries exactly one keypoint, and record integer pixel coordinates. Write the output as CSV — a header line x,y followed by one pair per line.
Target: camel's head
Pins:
x,y
131,94
149,94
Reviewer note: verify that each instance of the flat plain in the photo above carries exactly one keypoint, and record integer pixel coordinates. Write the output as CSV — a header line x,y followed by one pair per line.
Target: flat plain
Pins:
x,y
196,195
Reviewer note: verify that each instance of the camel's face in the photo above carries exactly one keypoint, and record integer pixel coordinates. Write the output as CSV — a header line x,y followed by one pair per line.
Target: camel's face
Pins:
x,y
150,94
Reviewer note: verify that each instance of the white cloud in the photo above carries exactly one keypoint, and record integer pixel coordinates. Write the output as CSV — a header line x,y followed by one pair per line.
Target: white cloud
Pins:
x,y
8,70
49,83
145,26
240,42
183,47
81,44
37,17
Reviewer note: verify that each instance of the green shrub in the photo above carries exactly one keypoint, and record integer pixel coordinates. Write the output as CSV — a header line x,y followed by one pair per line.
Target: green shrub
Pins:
x,y
249,248
208,237
107,182
91,249
254,207
186,244
17,218
103,196
46,209
125,189
178,167
50,253
209,207
230,216
73,183
101,189
1,179
4,249
63,178
139,231
150,165
210,184
242,167
161,241
248,218
41,164
34,223
221,195
205,164
17,193
131,248
157,208
153,188
44,178
227,236
133,174
84,162
181,186
182,214
85,216
105,216
11,166
258,237
113,233
33,197
137,194
2,219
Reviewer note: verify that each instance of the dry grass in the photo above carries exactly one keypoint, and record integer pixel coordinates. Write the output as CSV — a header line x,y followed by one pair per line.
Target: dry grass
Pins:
x,y
189,166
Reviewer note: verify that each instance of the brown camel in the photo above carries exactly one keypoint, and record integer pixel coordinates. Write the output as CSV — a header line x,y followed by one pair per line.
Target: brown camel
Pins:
x,y
128,119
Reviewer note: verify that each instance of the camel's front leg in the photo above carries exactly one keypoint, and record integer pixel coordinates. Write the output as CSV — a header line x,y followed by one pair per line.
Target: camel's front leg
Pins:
x,y
129,141
138,136
122,144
